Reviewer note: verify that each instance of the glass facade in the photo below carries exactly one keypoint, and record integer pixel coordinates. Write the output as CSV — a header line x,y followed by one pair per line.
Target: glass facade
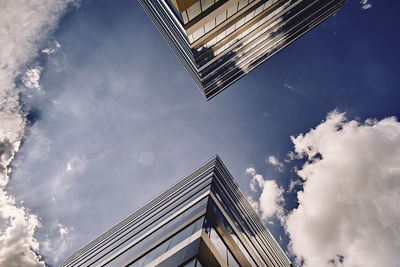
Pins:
x,y
203,220
219,41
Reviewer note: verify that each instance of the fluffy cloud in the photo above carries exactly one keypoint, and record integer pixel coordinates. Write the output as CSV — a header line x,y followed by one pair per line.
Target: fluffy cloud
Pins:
x,y
32,77
349,212
270,200
23,26
275,162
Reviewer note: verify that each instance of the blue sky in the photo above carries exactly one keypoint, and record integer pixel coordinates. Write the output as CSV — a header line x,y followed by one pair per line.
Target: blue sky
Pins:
x,y
113,119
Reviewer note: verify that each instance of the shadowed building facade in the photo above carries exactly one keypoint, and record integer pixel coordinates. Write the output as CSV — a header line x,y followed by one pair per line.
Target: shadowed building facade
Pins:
x,y
219,41
202,220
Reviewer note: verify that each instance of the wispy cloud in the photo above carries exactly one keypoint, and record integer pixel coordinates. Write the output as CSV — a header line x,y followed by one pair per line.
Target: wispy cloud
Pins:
x,y
351,194
52,50
365,4
275,162
24,25
294,89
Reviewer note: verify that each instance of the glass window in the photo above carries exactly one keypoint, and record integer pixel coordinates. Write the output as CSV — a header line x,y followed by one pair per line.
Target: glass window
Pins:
x,y
206,4
194,10
191,39
185,17
249,16
191,263
197,34
222,249
242,4
220,36
232,10
158,234
231,232
218,243
239,23
259,10
221,17
179,237
155,253
168,244
230,29
232,261
210,25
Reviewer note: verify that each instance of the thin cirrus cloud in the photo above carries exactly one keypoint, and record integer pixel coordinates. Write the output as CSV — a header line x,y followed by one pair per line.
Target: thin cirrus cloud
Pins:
x,y
348,212
24,24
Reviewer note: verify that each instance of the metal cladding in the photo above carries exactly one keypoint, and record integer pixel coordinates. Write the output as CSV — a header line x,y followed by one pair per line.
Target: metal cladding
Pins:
x,y
219,41
202,220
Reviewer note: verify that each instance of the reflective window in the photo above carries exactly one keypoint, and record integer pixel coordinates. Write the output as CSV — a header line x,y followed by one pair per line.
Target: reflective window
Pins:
x,y
231,232
155,236
221,247
220,18
169,244
242,4
237,39
193,263
194,10
213,22
206,4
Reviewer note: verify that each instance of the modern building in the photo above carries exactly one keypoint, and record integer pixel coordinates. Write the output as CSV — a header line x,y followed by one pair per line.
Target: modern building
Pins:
x,y
219,41
202,220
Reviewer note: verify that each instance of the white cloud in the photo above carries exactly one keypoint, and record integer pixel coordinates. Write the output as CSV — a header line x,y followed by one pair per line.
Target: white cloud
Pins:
x,y
348,213
32,77
52,50
292,184
275,162
365,4
270,200
59,242
17,245
290,156
23,26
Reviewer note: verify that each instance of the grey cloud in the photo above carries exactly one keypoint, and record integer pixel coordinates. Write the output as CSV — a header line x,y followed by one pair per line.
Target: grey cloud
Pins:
x,y
24,25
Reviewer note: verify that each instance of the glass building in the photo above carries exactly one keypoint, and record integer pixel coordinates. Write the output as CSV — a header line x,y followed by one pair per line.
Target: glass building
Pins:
x,y
202,220
219,41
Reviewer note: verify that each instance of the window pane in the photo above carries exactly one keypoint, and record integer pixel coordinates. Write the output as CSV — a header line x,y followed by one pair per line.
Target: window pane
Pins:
x,y
231,260
242,4
219,244
206,4
194,10
232,10
182,235
192,263
155,253
210,25
221,17
197,34
185,17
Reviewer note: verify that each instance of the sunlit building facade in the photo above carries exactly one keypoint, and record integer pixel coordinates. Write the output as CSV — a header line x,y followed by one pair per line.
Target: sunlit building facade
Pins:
x,y
219,41
202,220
